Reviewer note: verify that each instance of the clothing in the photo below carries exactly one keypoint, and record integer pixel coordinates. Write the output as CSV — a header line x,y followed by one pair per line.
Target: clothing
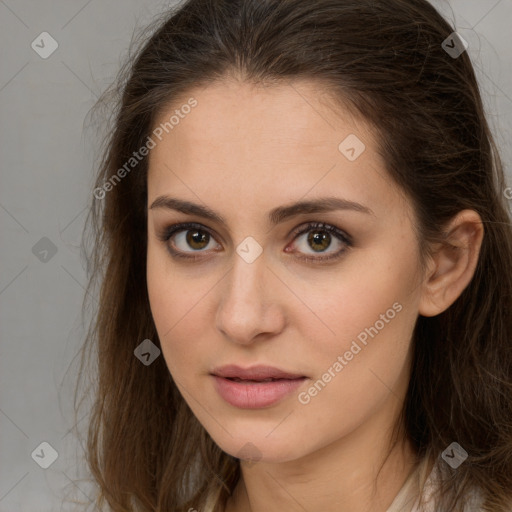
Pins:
x,y
407,499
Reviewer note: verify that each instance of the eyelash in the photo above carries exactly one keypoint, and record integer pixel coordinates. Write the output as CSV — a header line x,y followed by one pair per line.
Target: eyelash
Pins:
x,y
171,230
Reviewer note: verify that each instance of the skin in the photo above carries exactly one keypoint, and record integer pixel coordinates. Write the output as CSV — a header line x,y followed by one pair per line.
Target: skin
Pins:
x,y
243,151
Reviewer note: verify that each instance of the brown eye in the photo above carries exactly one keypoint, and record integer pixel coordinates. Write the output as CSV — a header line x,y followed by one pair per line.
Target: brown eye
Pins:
x,y
319,240
320,237
185,240
191,240
197,238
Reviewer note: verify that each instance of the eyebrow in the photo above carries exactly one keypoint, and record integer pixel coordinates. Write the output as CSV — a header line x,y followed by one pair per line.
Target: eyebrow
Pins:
x,y
275,216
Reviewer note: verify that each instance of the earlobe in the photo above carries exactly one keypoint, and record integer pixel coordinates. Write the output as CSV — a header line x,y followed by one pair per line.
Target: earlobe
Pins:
x,y
453,264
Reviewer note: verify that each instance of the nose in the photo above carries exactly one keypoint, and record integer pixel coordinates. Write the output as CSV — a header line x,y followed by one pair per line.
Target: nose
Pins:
x,y
249,307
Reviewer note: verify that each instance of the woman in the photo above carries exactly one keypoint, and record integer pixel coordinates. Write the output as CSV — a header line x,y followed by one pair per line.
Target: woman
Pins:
x,y
339,340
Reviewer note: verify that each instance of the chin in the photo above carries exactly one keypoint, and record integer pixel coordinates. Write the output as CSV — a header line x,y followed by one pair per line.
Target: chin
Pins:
x,y
260,446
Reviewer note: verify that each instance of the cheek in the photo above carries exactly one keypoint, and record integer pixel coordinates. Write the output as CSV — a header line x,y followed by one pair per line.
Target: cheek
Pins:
x,y
160,291
178,303
368,313
363,356
166,303
364,289
169,295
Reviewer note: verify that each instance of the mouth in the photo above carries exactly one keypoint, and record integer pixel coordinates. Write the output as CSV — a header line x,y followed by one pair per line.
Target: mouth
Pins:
x,y
248,381
254,373
256,387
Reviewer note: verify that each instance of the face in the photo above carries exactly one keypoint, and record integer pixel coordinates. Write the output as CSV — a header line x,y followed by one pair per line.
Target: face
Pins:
x,y
326,296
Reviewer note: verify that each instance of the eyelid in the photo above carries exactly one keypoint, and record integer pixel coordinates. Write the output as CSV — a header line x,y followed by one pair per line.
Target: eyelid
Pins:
x,y
330,228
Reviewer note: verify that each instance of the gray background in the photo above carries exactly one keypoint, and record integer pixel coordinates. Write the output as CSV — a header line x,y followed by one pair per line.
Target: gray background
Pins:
x,y
47,164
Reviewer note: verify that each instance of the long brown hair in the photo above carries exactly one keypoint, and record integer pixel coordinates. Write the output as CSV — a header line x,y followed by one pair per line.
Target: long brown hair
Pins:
x,y
385,60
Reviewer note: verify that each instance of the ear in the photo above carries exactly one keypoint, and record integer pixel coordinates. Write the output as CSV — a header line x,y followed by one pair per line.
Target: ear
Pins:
x,y
452,265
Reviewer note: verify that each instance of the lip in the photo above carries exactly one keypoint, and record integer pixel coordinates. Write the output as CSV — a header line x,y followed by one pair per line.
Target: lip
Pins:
x,y
252,391
259,372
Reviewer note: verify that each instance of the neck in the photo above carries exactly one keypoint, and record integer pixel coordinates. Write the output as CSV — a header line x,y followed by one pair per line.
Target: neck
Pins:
x,y
343,476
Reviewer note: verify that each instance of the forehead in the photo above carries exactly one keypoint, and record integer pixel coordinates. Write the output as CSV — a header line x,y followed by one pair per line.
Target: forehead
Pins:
x,y
295,113
265,140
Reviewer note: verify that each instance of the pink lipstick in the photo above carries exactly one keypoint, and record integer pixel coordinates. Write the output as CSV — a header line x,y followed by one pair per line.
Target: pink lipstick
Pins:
x,y
255,387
